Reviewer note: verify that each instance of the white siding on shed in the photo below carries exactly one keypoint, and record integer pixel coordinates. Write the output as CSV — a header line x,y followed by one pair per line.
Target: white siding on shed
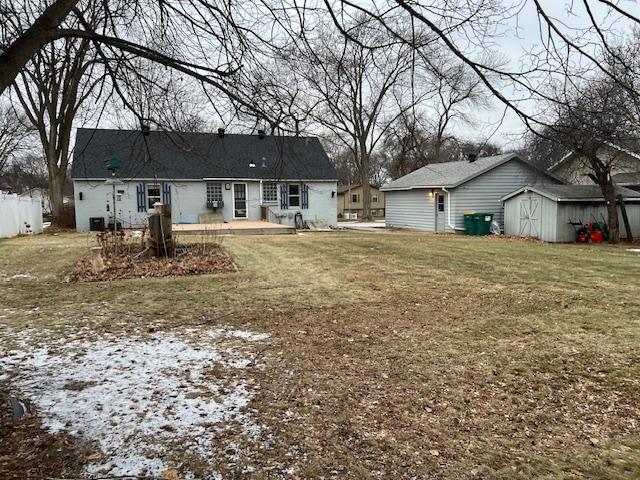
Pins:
x,y
587,212
545,224
554,217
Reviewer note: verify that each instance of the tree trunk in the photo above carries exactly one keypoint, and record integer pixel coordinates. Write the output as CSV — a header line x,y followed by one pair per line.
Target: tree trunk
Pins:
x,y
609,194
366,189
56,196
21,50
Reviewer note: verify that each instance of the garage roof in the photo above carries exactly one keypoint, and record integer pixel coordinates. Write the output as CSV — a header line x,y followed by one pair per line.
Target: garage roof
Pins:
x,y
574,193
448,174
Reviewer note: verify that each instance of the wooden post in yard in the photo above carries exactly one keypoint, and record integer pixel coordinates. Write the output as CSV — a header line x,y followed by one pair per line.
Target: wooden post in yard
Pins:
x,y
160,241
625,218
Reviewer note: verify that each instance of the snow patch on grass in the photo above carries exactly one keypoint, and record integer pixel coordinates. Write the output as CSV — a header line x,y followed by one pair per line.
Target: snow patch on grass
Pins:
x,y
149,402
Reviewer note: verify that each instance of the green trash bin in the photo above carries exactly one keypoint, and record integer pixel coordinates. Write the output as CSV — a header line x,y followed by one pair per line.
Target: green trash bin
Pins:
x,y
469,223
482,221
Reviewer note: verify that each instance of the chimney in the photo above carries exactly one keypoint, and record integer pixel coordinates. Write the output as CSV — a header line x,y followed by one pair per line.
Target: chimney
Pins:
x,y
260,133
221,132
472,156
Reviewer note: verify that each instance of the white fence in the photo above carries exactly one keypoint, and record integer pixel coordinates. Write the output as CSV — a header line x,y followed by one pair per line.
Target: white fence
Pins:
x,y
19,215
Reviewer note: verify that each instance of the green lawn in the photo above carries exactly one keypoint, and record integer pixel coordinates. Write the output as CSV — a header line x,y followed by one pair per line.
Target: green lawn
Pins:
x,y
392,355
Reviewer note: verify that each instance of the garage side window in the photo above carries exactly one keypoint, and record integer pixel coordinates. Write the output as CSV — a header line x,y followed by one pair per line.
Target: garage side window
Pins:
x,y
440,199
153,195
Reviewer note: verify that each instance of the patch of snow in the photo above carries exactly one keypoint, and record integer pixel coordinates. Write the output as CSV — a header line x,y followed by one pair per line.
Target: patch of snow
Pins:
x,y
17,276
254,337
141,399
362,225
637,250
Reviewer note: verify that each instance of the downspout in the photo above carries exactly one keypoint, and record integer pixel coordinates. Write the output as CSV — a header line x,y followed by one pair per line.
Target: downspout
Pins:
x,y
449,224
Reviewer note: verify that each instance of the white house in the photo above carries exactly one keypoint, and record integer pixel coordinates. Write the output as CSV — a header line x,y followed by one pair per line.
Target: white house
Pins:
x,y
623,157
206,177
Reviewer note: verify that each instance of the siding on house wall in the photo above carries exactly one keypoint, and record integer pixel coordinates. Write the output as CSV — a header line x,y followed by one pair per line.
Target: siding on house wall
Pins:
x,y
411,209
189,199
345,203
484,192
575,170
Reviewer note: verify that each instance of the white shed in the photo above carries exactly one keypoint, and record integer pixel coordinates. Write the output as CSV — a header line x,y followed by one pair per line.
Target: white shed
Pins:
x,y
545,211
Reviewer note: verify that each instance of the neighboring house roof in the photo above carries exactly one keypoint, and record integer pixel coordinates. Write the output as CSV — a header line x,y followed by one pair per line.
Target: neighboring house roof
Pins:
x,y
629,146
191,156
629,178
346,188
573,193
449,174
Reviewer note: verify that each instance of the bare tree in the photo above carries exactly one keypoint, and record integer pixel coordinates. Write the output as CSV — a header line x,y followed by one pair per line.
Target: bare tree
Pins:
x,y
355,93
588,121
465,28
14,130
456,92
52,89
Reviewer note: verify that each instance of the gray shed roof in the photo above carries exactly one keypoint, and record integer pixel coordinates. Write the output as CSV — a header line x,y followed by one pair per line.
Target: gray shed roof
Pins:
x,y
573,193
449,174
173,155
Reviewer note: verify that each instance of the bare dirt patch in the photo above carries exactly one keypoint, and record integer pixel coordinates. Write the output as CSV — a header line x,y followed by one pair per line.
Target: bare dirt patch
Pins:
x,y
27,450
189,260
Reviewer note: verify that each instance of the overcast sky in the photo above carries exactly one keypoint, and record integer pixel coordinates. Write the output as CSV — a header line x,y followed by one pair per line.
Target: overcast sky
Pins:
x,y
522,36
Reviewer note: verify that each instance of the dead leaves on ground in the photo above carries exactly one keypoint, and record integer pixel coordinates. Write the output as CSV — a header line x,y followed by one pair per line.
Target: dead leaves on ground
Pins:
x,y
190,260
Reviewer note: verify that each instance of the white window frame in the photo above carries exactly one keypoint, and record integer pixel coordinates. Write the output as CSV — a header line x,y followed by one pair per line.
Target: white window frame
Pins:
x,y
274,197
246,200
158,198
439,202
356,196
298,195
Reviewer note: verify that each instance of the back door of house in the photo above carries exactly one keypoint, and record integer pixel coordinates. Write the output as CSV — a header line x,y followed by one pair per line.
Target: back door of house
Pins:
x,y
239,200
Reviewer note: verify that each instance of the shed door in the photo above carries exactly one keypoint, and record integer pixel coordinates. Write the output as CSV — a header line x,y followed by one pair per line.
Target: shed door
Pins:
x,y
529,217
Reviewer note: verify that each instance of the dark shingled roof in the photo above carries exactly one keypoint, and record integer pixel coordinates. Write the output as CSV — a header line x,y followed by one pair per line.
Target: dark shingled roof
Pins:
x,y
574,193
173,155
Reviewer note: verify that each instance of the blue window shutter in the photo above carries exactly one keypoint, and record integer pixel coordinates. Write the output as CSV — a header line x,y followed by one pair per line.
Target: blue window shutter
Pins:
x,y
140,195
166,193
304,201
284,196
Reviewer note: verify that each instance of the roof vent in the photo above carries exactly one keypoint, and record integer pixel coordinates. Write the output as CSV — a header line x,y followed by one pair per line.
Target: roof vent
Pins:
x,y
252,165
260,133
264,162
472,156
221,132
